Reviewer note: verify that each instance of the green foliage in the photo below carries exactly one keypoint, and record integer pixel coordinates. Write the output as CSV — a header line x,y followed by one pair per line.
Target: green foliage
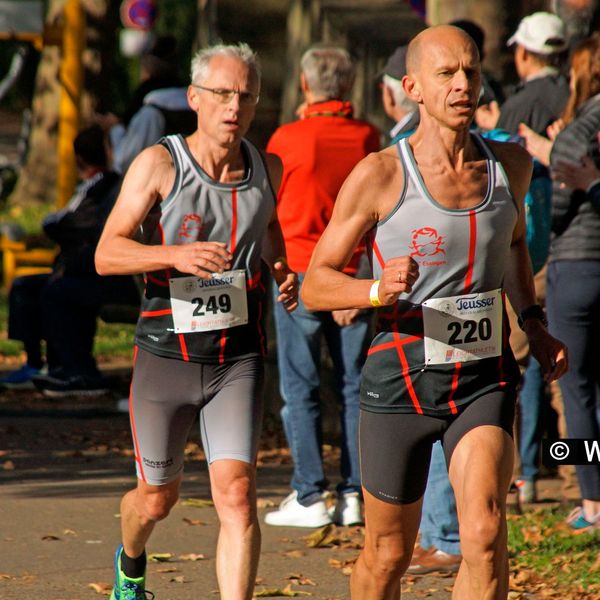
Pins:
x,y
540,541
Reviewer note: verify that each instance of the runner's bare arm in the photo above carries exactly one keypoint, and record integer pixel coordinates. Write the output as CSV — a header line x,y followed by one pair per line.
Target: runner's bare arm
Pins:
x,y
148,180
518,282
368,194
274,253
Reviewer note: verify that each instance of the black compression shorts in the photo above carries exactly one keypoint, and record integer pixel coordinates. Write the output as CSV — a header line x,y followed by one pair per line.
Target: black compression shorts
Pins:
x,y
395,448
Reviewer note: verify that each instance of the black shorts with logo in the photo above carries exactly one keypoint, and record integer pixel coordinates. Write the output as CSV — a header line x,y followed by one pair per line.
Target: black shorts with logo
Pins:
x,y
395,448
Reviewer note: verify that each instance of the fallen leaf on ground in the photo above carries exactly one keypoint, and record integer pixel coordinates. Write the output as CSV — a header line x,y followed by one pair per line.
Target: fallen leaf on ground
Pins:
x,y
294,554
160,557
323,537
193,521
50,538
299,579
167,570
191,556
197,502
178,579
287,591
101,588
263,503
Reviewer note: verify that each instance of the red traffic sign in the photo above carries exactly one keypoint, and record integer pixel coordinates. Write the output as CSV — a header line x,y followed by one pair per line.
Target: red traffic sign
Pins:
x,y
138,14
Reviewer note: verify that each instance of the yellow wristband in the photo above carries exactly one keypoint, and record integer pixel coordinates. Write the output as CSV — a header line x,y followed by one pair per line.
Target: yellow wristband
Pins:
x,y
374,294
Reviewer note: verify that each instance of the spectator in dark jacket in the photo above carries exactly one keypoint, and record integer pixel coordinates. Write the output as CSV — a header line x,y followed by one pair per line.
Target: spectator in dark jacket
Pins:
x,y
573,291
539,44
62,307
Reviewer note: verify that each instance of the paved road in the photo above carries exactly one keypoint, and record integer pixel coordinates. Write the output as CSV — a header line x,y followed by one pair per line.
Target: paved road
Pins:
x,y
63,468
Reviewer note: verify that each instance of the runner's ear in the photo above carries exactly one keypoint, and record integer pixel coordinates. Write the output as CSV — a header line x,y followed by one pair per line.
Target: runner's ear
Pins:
x,y
411,88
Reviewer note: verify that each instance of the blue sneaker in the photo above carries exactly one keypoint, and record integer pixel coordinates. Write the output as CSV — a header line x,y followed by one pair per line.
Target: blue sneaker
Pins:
x,y
126,588
21,378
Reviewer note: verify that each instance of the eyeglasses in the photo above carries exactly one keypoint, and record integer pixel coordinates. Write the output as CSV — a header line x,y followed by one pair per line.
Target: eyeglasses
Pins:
x,y
225,96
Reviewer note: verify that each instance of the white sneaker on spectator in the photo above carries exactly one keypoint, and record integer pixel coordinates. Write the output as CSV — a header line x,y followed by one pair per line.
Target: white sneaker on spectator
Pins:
x,y
292,514
347,510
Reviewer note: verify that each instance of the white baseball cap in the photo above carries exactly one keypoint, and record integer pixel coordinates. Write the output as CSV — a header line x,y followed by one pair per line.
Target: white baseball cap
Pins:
x,y
541,32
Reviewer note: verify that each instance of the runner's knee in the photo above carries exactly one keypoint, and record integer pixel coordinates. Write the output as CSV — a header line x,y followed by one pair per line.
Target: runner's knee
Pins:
x,y
481,533
157,505
386,557
235,499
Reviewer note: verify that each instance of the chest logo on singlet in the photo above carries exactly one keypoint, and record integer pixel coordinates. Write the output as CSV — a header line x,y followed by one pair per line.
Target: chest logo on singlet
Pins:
x,y
191,228
426,242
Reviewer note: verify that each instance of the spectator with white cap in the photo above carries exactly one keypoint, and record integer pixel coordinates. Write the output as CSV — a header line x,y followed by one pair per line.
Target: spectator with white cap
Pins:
x,y
539,49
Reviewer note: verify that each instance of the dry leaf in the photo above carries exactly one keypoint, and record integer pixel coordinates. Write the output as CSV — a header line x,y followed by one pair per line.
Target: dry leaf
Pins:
x,y
101,588
299,579
191,556
160,557
294,554
322,538
197,503
178,579
263,503
50,538
193,521
287,591
4,576
167,570
68,532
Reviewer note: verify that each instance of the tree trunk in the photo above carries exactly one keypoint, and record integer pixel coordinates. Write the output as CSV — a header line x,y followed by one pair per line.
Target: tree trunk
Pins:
x,y
37,180
206,29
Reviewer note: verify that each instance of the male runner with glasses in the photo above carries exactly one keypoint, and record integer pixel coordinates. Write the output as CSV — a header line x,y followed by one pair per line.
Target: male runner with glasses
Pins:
x,y
197,216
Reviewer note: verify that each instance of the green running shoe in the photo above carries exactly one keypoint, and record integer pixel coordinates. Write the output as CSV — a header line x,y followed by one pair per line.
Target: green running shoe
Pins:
x,y
126,588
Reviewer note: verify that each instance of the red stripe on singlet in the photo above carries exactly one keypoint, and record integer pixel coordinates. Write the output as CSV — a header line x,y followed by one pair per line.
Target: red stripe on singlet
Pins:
x,y
222,343
138,458
156,281
234,221
232,248
394,344
378,254
406,375
183,346
453,388
467,288
472,245
157,313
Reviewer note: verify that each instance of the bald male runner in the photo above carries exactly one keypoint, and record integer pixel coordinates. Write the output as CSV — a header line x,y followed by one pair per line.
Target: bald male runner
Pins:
x,y
444,215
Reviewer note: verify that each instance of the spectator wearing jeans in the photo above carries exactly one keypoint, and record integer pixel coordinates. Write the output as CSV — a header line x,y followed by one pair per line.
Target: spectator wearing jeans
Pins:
x,y
318,152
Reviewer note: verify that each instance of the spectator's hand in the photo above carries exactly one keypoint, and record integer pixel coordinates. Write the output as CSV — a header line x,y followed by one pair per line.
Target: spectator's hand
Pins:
x,y
551,353
345,317
287,280
577,177
106,120
555,128
399,275
537,145
201,259
487,115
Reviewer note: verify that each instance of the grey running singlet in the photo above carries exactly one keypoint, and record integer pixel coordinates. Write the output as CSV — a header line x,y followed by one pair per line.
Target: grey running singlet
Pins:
x,y
446,343
198,208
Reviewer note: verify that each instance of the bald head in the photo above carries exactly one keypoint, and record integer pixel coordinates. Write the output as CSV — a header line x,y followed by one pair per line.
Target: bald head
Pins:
x,y
436,37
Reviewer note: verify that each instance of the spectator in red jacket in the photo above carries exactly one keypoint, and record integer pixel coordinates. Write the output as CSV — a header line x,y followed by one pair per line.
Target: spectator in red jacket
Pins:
x,y
318,152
